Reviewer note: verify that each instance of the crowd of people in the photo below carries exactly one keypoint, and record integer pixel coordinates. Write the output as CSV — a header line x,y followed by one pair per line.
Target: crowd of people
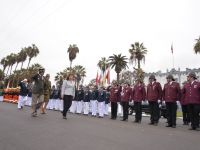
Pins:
x,y
95,101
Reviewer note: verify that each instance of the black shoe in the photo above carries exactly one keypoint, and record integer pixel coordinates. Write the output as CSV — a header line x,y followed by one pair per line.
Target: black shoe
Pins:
x,y
151,123
64,117
168,125
124,120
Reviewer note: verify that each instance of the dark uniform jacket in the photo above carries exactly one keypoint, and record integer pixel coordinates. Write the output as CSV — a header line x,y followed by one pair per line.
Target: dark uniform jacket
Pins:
x,y
23,89
80,95
87,96
191,93
126,94
171,92
154,91
138,93
38,86
107,97
95,94
101,96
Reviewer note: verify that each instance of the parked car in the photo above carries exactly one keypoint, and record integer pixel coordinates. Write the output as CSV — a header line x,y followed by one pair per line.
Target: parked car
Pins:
x,y
145,108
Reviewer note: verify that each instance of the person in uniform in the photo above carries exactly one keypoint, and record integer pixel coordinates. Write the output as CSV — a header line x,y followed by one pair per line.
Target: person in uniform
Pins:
x,y
101,101
184,105
125,98
86,100
22,94
171,94
67,93
47,92
80,97
107,101
93,100
191,92
154,95
114,98
37,91
138,95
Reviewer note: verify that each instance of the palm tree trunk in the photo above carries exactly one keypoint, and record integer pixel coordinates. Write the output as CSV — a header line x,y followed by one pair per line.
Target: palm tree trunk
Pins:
x,y
11,69
28,63
16,66
117,78
22,65
138,64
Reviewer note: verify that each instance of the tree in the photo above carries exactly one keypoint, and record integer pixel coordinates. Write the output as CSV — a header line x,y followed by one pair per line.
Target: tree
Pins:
x,y
31,52
18,60
103,64
72,50
4,63
23,56
197,46
119,63
80,73
137,52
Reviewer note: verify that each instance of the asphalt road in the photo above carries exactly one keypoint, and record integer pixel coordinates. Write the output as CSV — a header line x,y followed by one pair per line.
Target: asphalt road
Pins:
x,y
20,131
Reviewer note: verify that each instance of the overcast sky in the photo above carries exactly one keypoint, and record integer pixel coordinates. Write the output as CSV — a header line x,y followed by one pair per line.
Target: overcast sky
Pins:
x,y
101,28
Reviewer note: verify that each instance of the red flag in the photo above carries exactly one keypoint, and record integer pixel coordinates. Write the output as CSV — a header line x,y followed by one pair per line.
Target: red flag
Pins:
x,y
172,49
97,78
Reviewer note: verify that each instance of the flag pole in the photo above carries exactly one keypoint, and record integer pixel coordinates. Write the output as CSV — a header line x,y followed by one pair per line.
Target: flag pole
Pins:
x,y
172,50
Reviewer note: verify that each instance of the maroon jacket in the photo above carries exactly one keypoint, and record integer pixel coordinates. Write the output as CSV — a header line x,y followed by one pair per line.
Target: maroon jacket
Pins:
x,y
138,93
171,92
154,92
126,94
191,92
115,94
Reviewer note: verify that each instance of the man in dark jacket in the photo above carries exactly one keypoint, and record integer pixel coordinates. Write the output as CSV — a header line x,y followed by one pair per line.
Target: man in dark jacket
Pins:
x,y
22,94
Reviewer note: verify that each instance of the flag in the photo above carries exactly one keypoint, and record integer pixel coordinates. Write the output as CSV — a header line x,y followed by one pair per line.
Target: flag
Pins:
x,y
101,78
172,49
108,76
97,78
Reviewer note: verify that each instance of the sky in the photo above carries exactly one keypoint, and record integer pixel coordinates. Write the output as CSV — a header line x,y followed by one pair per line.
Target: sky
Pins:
x,y
101,28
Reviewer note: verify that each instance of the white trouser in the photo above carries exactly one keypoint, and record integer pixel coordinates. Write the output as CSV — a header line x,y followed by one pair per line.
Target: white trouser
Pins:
x,y
94,107
52,104
72,109
101,106
1,98
106,109
85,108
120,110
79,107
22,101
49,104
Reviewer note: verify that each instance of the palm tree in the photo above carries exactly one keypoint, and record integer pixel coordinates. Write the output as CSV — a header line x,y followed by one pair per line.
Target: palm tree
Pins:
x,y
18,60
12,61
80,73
103,64
72,50
4,63
23,56
197,46
32,52
137,52
119,63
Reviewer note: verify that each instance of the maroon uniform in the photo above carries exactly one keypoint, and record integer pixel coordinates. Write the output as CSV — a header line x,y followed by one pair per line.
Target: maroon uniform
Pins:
x,y
126,94
171,92
138,93
154,91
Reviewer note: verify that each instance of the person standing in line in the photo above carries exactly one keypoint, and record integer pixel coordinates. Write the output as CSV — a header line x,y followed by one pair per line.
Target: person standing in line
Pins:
x,y
37,91
93,100
22,94
67,93
191,92
107,101
154,94
80,97
114,98
184,105
138,95
86,100
125,98
47,92
171,94
101,101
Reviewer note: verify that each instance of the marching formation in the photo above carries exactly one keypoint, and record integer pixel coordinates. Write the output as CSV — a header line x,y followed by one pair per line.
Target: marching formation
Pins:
x,y
95,101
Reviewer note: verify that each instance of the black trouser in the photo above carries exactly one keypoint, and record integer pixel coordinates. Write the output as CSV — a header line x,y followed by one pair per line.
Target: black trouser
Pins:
x,y
125,110
154,112
138,111
194,110
186,117
114,110
67,104
171,111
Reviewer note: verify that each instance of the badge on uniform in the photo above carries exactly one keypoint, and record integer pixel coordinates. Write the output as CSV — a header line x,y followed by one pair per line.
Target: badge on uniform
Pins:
x,y
195,86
